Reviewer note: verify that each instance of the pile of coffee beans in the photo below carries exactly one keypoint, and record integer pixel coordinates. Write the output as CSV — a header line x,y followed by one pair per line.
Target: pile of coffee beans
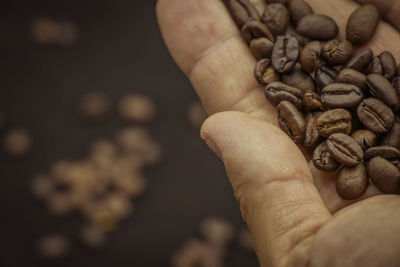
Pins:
x,y
339,104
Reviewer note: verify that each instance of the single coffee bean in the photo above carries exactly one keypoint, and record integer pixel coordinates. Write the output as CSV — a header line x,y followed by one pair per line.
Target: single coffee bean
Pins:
x,y
384,175
324,75
386,152
375,115
384,64
351,76
254,30
392,137
312,101
276,17
310,57
243,11
265,73
299,79
381,88
345,149
299,9
311,136
285,54
334,121
261,48
352,182
277,92
318,27
323,159
365,138
361,60
362,24
291,121
341,95
336,52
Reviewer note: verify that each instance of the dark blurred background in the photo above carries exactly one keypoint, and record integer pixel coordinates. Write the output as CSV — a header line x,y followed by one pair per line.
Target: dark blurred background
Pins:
x,y
119,50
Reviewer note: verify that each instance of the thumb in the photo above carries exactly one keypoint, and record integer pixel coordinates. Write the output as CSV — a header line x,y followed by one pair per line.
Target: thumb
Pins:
x,y
272,183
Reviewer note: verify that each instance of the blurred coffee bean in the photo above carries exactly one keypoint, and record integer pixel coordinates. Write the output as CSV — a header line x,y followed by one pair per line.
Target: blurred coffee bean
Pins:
x,y
47,31
351,76
310,57
254,30
261,48
277,92
336,52
245,240
352,182
361,60
137,108
299,9
276,17
375,115
243,11
362,24
42,186
299,79
381,88
318,27
53,246
291,121
196,114
344,149
285,54
217,231
94,106
92,236
384,64
384,175
324,75
365,138
334,121
17,142
341,95
323,159
198,253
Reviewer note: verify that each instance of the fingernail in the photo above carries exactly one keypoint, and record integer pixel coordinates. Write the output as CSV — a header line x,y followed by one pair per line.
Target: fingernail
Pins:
x,y
214,148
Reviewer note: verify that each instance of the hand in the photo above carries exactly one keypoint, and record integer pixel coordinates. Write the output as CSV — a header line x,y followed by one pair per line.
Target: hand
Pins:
x,y
292,210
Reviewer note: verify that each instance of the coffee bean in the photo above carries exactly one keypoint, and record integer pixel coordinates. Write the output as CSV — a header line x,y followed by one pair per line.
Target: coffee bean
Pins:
x,y
303,41
311,136
341,95
254,30
362,24
344,149
196,114
276,17
336,52
382,89
324,75
318,27
365,138
243,11
291,121
310,57
392,137
375,115
386,152
334,121
396,85
352,182
277,92
53,246
299,79
351,76
265,73
261,48
361,60
299,9
94,106
137,108
312,101
384,64
285,54
384,175
17,142
323,159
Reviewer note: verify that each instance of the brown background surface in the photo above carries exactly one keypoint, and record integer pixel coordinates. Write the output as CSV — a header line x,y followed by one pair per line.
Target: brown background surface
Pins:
x,y
120,50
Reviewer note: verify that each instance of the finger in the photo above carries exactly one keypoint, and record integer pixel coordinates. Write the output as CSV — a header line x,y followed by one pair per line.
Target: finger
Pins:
x,y
272,183
208,47
389,9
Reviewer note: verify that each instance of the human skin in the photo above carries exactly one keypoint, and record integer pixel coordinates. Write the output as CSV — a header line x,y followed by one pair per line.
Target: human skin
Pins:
x,y
292,210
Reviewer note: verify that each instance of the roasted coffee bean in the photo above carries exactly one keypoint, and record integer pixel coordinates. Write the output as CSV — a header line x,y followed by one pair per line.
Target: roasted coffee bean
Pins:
x,y
323,159
386,152
361,60
362,24
243,11
265,73
310,57
365,138
318,27
344,149
261,48
384,64
277,92
291,121
285,54
336,52
396,85
352,182
382,89
254,30
276,17
324,75
351,76
303,41
299,79
384,175
375,115
312,101
299,9
311,136
334,121
341,95
392,137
